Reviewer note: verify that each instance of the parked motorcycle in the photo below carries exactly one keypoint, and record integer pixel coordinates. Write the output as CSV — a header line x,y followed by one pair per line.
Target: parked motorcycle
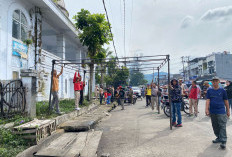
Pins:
x,y
165,106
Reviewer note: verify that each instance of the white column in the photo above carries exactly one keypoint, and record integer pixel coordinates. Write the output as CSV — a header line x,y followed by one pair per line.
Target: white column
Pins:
x,y
60,42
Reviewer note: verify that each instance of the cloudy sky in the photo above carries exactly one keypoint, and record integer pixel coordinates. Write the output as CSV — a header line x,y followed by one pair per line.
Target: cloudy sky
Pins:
x,y
176,27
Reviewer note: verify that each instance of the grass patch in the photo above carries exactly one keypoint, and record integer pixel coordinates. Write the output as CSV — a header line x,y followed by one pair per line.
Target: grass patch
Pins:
x,y
11,144
66,106
17,119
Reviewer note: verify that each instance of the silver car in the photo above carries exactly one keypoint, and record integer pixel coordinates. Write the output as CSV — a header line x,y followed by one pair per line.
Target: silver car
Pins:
x,y
137,91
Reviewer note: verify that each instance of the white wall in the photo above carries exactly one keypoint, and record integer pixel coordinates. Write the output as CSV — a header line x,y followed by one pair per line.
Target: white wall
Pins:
x,y
45,68
8,62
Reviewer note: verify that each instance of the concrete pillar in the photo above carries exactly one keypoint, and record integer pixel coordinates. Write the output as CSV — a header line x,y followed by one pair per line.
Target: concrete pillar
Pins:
x,y
60,42
29,81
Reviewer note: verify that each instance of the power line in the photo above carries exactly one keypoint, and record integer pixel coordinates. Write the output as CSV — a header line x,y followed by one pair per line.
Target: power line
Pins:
x,y
131,22
124,3
110,28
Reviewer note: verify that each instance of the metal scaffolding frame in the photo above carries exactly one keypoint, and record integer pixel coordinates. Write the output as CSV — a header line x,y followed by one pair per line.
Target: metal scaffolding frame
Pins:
x,y
156,62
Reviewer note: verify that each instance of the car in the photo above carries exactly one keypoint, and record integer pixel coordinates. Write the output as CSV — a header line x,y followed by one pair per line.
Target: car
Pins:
x,y
137,91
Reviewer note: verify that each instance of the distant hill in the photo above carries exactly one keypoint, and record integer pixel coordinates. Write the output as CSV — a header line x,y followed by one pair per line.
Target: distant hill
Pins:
x,y
149,77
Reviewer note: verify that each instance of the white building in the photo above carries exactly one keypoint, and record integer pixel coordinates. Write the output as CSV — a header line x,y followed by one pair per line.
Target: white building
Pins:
x,y
54,37
215,64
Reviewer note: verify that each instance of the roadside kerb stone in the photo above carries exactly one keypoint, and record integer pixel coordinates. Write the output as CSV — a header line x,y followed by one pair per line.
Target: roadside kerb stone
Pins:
x,y
63,118
43,144
88,121
7,126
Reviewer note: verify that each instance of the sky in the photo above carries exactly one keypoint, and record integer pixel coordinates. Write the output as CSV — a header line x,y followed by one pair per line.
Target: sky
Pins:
x,y
192,28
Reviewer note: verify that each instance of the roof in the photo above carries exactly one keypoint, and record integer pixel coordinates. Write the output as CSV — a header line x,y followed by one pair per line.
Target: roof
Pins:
x,y
52,13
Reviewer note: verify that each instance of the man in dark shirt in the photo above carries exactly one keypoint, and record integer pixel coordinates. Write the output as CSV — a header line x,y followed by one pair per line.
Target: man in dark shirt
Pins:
x,y
215,107
228,89
121,96
176,100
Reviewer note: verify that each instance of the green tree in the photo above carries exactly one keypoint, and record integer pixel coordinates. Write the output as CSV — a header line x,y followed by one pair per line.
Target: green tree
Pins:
x,y
94,33
137,78
101,56
119,77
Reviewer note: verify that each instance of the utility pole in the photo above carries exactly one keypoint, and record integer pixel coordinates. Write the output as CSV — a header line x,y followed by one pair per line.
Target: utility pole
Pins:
x,y
183,66
188,69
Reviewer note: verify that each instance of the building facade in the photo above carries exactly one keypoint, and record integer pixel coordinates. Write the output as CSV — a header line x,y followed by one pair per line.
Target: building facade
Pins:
x,y
215,64
32,34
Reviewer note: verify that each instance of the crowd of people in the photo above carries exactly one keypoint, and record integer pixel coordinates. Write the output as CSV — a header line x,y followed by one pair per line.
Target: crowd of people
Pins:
x,y
218,102
218,105
218,99
111,95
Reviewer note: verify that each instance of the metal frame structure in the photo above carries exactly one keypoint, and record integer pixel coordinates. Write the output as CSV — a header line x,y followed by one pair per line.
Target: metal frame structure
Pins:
x,y
156,62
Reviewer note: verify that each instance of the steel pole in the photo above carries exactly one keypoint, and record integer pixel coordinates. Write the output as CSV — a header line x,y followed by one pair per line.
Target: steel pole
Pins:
x,y
158,91
50,96
169,89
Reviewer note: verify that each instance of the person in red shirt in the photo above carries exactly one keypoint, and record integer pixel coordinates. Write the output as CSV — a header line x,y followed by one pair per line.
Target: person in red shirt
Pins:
x,y
105,95
193,99
77,89
108,96
82,84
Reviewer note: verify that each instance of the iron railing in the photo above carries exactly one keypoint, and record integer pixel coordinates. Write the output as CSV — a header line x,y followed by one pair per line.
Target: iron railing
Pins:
x,y
12,98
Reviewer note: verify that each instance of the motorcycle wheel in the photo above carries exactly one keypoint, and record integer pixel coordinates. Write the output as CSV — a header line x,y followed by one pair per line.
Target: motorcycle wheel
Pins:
x,y
186,107
167,111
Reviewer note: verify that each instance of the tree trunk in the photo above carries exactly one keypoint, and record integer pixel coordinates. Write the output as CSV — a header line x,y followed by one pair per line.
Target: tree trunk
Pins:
x,y
101,75
91,66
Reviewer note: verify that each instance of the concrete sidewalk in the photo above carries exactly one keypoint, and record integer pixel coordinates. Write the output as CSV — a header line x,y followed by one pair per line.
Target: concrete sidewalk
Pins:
x,y
139,132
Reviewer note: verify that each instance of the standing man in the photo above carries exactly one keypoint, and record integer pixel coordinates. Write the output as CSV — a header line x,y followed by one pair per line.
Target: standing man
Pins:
x,y
228,89
130,94
96,92
148,95
176,99
116,94
77,89
183,88
101,94
216,102
193,99
143,92
112,94
121,97
55,89
154,96
205,88
82,84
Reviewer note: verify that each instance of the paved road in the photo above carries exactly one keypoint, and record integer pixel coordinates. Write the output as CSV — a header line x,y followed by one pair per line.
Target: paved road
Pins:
x,y
140,132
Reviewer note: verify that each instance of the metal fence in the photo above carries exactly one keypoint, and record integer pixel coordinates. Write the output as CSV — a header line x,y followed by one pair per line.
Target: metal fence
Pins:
x,y
12,98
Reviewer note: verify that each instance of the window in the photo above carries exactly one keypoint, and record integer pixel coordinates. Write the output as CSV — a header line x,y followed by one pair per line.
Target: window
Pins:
x,y
19,25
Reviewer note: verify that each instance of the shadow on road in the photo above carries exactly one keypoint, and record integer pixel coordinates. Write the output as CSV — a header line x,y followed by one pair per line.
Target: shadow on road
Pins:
x,y
214,150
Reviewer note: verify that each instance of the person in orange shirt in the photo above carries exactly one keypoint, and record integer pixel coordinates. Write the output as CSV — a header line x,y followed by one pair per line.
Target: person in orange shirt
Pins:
x,y
55,89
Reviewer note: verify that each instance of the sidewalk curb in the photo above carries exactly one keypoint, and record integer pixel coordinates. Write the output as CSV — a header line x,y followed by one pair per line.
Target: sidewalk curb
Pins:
x,y
63,118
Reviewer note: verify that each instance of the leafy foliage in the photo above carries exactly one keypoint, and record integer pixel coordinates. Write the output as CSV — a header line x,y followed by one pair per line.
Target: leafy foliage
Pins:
x,y
137,78
95,31
118,77
17,119
11,144
97,78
